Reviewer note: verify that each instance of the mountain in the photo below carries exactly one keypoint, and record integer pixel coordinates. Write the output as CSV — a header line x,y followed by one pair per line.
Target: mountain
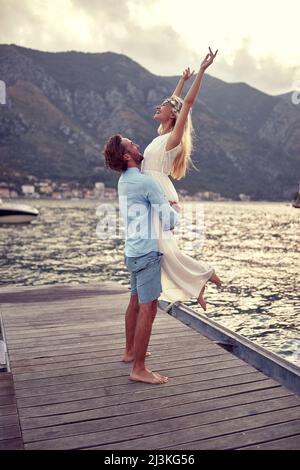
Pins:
x,y
61,108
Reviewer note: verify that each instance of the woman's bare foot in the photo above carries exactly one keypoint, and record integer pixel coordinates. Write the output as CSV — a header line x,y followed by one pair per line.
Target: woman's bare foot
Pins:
x,y
201,300
147,376
128,357
216,280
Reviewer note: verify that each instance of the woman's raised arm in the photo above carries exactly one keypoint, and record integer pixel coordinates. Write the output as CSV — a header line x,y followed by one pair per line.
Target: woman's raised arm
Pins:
x,y
177,132
186,75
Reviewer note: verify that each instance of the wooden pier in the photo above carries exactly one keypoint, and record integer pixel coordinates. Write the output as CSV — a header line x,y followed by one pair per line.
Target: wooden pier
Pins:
x,y
66,387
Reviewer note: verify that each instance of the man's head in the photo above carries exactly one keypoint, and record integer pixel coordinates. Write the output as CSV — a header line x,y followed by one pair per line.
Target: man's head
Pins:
x,y
121,153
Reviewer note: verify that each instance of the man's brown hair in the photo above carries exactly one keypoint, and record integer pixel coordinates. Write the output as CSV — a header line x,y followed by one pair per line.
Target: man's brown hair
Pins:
x,y
114,151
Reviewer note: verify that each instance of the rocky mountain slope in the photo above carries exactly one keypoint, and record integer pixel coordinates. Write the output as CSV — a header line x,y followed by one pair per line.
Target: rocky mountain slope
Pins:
x,y
61,108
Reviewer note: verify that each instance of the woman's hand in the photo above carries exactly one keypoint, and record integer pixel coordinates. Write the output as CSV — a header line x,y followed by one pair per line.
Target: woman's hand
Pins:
x,y
187,74
178,131
208,59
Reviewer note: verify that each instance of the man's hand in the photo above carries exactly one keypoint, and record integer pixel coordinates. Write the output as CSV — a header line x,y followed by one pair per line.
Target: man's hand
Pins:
x,y
175,206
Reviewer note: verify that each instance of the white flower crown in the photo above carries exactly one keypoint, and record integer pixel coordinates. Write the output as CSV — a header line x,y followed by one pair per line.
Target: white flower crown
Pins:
x,y
176,105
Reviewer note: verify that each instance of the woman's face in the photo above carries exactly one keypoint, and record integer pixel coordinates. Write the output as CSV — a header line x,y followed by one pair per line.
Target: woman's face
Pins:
x,y
164,112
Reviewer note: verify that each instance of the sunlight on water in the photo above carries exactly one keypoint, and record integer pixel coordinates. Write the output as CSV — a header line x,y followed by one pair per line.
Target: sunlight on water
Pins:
x,y
253,246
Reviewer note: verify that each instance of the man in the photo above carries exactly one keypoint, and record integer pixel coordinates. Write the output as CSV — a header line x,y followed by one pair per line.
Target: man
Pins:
x,y
139,194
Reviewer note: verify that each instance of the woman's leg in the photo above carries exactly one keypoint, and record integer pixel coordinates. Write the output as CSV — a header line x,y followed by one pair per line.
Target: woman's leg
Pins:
x,y
215,280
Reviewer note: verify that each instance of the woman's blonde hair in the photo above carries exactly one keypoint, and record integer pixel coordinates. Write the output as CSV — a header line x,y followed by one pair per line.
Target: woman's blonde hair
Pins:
x,y
183,160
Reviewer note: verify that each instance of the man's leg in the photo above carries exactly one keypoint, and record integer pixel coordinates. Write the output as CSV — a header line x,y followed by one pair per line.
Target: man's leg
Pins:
x,y
154,309
131,315
143,330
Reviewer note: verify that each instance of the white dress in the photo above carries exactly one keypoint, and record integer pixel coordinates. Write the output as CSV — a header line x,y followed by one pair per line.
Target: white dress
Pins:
x,y
182,277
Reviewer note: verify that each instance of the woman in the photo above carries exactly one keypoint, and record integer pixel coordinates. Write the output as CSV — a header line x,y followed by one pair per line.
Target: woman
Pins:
x,y
169,154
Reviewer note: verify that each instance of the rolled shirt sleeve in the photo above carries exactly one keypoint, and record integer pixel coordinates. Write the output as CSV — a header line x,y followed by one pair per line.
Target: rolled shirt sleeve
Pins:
x,y
168,216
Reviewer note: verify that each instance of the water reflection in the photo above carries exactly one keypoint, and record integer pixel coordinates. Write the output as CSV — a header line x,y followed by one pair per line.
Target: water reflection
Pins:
x,y
254,248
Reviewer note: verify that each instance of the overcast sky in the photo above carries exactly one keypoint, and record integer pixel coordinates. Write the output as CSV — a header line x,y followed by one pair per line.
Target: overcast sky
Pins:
x,y
258,40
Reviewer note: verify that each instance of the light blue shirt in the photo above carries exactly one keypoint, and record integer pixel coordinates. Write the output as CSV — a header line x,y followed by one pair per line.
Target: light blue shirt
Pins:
x,y
139,195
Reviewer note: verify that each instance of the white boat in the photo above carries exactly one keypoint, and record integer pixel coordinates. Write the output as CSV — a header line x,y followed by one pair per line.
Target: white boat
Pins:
x,y
11,213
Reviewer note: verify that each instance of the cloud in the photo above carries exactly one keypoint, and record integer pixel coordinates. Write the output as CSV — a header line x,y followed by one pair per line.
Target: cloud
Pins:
x,y
111,10
94,26
159,47
120,26
264,73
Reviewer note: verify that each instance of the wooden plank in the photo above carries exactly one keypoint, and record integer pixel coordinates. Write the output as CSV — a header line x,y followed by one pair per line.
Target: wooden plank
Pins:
x,y
5,377
181,415
69,299
18,333
73,313
145,398
34,390
9,432
114,384
283,371
68,321
37,316
164,432
107,350
108,286
68,324
7,400
284,443
11,444
4,383
8,390
109,362
242,440
115,309
206,400
8,420
116,332
73,391
113,394
114,315
188,436
124,385
105,344
90,340
40,294
180,342
108,356
116,366
93,332
119,381
8,409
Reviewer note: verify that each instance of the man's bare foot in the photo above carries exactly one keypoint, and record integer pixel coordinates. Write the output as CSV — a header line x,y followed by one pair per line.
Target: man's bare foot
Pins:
x,y
201,300
216,280
147,376
128,357
158,375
